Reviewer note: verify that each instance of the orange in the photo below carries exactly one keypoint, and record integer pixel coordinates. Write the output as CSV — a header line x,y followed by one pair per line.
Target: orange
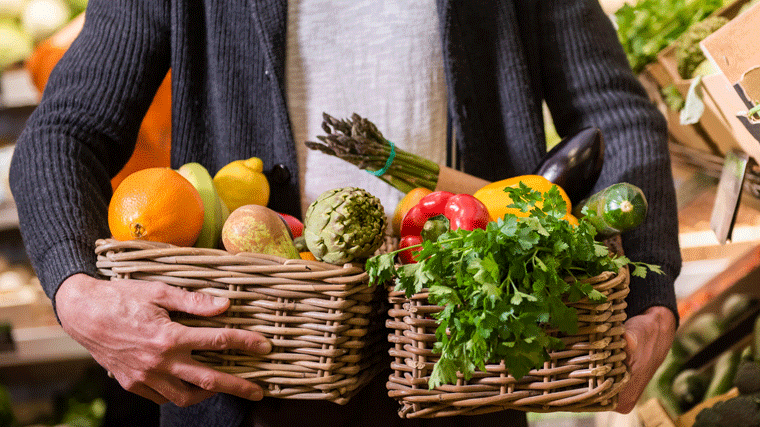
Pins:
x,y
496,200
156,204
411,199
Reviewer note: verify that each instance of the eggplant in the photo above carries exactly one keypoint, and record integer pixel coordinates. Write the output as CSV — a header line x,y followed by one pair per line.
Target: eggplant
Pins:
x,y
574,164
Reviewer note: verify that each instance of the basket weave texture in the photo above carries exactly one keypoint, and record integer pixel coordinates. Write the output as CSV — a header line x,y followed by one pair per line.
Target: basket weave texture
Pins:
x,y
585,376
324,321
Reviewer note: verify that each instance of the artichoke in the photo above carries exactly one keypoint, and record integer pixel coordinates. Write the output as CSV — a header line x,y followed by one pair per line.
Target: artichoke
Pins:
x,y
344,224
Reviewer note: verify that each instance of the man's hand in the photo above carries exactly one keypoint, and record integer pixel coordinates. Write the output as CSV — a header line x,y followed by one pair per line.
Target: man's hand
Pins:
x,y
648,337
125,325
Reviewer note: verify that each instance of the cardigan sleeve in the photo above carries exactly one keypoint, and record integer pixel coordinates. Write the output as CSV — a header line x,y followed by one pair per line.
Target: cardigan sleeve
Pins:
x,y
587,81
83,132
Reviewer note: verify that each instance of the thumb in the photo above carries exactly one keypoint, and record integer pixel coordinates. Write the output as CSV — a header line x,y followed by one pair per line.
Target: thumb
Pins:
x,y
631,346
175,299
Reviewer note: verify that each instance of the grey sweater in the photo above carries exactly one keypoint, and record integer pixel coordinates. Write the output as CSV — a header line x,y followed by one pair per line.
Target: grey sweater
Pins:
x,y
501,58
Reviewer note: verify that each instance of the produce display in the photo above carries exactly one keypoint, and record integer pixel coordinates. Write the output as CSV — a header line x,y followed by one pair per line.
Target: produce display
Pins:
x,y
689,55
744,409
24,23
679,390
648,26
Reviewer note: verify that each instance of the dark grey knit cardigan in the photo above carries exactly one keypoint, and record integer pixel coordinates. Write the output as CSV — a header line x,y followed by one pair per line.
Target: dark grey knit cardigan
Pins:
x,y
502,58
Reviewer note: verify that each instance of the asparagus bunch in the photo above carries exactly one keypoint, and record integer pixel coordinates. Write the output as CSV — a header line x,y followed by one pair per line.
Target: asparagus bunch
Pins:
x,y
359,142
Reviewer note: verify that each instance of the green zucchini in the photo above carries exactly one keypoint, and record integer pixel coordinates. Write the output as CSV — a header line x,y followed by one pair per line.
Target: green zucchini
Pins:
x,y
618,208
704,328
734,307
689,386
660,386
724,373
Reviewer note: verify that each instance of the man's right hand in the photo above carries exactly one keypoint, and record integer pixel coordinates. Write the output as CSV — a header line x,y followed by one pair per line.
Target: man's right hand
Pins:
x,y
125,325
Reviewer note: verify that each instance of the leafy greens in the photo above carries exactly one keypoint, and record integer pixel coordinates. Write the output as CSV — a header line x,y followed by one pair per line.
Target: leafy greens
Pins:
x,y
648,26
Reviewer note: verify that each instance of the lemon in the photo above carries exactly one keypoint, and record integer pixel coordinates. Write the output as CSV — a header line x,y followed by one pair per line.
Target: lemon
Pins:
x,y
242,182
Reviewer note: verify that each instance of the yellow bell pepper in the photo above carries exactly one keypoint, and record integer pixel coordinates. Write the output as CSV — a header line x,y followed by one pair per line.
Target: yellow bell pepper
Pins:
x,y
497,200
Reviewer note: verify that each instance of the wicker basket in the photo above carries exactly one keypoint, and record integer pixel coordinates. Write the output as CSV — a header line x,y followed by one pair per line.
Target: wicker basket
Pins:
x,y
584,376
324,321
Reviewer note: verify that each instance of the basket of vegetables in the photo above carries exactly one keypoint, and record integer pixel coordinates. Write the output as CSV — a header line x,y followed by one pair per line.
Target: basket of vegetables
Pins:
x,y
313,302
500,297
522,311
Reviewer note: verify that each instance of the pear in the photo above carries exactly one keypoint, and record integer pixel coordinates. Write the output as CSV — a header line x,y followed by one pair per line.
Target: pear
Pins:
x,y
258,229
215,211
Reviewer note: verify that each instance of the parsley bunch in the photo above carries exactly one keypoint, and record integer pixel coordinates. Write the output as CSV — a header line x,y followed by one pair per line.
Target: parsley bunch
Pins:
x,y
500,288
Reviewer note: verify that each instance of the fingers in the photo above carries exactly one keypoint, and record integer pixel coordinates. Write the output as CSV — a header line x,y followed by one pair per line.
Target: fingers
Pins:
x,y
631,347
148,393
179,392
176,299
221,339
648,338
209,379
163,388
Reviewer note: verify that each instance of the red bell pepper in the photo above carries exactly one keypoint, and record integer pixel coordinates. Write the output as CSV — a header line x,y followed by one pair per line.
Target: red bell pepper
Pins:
x,y
462,210
407,256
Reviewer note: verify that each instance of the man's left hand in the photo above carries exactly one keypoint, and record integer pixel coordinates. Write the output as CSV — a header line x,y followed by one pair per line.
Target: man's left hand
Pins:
x,y
648,337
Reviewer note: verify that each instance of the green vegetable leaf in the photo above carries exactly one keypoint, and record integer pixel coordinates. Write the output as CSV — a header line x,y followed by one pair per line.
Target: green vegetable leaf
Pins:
x,y
380,268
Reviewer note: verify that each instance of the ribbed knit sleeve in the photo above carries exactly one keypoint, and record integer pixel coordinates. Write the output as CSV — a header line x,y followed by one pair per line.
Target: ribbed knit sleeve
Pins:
x,y
83,132
587,82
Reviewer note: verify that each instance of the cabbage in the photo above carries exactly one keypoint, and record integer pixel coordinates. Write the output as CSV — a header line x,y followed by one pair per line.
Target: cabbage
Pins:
x,y
15,45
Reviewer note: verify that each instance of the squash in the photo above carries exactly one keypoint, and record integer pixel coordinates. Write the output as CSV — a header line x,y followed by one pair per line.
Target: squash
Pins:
x,y
616,209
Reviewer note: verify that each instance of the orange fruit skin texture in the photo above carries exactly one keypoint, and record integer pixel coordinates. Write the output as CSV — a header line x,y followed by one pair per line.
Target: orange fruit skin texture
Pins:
x,y
412,198
156,204
496,200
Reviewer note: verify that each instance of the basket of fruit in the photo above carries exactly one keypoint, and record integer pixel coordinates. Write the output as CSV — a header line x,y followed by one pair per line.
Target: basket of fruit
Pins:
x,y
324,321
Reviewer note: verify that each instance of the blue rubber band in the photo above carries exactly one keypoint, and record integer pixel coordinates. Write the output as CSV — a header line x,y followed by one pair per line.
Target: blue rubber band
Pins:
x,y
388,162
